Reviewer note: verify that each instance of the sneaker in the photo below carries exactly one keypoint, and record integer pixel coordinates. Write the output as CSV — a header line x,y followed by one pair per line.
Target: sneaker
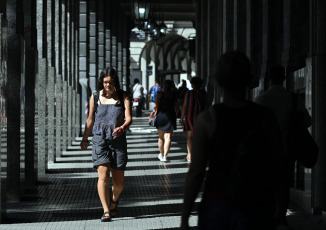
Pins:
x,y
164,159
160,157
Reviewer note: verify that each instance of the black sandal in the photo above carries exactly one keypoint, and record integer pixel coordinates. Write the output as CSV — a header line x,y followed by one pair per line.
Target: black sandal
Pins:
x,y
106,218
115,210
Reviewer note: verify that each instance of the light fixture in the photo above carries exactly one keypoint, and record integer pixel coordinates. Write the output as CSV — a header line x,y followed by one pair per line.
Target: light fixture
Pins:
x,y
140,11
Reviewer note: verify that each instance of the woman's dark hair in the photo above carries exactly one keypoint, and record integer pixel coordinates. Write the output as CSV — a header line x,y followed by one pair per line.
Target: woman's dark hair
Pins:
x,y
169,88
108,71
234,71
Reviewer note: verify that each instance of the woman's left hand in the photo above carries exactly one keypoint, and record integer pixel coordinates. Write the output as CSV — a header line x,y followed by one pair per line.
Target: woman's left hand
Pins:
x,y
117,131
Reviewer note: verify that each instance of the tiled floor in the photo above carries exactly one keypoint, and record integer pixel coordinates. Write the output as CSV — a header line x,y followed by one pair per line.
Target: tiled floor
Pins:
x,y
67,197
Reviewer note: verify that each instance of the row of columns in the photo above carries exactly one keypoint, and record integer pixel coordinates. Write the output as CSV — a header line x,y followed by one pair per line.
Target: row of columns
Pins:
x,y
51,53
104,41
285,32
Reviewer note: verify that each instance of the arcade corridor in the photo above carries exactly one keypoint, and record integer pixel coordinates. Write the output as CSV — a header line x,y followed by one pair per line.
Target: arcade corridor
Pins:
x,y
51,53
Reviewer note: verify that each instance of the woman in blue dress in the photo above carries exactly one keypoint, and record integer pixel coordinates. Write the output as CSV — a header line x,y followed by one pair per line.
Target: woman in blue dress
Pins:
x,y
109,117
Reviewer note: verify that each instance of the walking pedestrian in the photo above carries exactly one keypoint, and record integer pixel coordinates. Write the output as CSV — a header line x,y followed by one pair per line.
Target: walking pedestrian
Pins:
x,y
167,105
280,101
239,142
152,94
182,90
109,117
195,102
137,94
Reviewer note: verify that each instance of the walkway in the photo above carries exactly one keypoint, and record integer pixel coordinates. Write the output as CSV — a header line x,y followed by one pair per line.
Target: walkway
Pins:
x,y
67,197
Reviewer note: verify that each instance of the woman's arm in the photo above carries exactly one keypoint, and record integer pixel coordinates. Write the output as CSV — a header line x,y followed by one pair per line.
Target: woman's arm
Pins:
x,y
89,124
128,118
185,105
199,157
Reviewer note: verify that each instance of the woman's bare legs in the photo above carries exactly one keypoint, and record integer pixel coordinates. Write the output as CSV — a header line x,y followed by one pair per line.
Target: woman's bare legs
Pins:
x,y
167,143
189,143
117,187
164,142
161,142
103,185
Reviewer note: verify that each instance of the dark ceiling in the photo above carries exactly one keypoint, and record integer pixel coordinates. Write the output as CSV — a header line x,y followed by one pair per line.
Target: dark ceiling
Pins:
x,y
173,10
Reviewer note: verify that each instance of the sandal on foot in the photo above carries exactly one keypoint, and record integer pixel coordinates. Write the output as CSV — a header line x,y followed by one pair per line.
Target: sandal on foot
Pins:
x,y
106,218
114,210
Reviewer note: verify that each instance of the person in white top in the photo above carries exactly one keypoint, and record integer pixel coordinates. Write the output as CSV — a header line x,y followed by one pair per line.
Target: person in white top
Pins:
x,y
138,97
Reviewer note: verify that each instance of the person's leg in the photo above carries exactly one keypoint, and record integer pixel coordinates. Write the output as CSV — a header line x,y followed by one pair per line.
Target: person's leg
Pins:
x,y
167,143
117,187
189,143
161,141
103,185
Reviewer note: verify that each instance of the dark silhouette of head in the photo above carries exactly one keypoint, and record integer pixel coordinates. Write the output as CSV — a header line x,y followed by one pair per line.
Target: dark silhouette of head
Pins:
x,y
136,81
196,82
234,71
276,74
108,71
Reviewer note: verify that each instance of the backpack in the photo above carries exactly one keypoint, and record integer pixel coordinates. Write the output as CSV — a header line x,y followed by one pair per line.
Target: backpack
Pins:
x,y
155,90
251,176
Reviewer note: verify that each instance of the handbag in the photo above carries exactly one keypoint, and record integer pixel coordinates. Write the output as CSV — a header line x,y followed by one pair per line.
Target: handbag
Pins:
x,y
152,119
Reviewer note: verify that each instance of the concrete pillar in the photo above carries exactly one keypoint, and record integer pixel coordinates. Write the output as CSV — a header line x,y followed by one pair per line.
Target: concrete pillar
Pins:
x,y
50,93
30,105
41,144
204,41
318,59
58,88
64,115
83,52
3,122
69,114
14,70
213,50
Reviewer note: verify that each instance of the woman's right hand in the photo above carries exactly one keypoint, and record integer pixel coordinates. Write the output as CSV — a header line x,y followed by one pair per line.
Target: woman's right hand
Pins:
x,y
84,144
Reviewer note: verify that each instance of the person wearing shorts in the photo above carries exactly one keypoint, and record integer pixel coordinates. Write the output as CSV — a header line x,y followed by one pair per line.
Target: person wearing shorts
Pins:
x,y
109,117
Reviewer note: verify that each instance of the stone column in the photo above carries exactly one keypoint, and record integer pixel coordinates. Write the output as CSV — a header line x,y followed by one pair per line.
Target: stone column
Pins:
x,y
69,73
318,59
58,87
14,64
92,47
64,73
108,43
50,114
41,144
83,51
30,105
213,49
64,121
3,128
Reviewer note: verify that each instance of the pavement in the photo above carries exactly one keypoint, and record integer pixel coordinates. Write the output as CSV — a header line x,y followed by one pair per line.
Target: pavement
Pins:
x,y
66,197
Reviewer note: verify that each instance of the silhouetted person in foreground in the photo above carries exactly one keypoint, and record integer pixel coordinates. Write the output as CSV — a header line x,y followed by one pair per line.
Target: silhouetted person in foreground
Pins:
x,y
281,103
240,143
